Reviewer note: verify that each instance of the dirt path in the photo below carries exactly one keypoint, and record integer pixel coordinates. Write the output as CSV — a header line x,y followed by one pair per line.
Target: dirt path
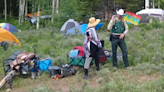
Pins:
x,y
57,85
142,78
76,82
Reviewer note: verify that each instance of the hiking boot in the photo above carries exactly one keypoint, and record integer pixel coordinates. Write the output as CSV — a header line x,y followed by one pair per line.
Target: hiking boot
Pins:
x,y
86,77
98,69
115,68
128,68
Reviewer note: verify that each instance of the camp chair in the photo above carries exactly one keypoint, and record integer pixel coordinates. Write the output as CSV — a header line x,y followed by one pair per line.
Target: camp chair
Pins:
x,y
76,60
104,54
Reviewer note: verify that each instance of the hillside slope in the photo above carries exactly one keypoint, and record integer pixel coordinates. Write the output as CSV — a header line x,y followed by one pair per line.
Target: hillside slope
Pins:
x,y
146,56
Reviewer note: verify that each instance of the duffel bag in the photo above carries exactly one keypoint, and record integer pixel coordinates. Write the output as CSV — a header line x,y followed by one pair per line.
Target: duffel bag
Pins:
x,y
44,64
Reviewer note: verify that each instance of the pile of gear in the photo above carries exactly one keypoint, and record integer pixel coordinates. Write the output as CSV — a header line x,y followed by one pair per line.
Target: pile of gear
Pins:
x,y
62,71
20,63
26,64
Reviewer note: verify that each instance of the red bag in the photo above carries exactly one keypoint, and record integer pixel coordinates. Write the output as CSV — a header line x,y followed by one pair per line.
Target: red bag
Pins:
x,y
102,59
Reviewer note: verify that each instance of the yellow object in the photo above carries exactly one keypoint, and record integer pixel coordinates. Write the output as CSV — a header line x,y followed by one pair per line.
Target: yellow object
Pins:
x,y
93,22
1,24
7,36
132,18
31,63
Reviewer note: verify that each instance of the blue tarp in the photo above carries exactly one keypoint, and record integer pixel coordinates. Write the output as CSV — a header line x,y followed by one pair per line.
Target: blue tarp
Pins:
x,y
81,29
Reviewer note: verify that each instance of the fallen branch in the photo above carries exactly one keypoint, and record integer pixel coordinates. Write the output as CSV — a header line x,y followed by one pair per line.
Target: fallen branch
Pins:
x,y
7,78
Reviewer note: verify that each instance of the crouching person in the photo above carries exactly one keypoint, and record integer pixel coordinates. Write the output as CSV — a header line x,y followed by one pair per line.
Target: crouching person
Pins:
x,y
91,46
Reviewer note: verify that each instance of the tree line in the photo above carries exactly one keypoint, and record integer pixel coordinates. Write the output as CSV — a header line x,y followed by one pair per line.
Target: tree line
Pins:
x,y
61,10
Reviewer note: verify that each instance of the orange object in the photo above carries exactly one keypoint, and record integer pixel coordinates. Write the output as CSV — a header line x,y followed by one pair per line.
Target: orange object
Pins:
x,y
35,14
57,76
7,36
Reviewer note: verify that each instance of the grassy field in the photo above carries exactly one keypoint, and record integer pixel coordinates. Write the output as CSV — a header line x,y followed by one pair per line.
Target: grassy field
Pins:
x,y
145,54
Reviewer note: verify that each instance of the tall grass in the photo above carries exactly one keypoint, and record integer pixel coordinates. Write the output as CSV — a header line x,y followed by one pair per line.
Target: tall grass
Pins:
x,y
120,82
143,45
145,53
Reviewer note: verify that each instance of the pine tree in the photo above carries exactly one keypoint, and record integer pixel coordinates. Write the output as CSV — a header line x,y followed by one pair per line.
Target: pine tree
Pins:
x,y
130,5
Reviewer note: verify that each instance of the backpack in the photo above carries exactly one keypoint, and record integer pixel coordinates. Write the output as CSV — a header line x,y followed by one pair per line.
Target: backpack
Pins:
x,y
44,64
67,70
54,70
64,70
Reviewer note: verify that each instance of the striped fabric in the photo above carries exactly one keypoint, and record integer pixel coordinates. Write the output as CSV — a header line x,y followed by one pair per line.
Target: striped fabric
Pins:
x,y
95,39
21,58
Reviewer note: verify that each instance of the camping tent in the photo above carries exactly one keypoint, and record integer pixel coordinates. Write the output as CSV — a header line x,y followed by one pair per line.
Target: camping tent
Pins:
x,y
7,36
35,14
156,13
151,11
81,29
8,27
33,18
68,25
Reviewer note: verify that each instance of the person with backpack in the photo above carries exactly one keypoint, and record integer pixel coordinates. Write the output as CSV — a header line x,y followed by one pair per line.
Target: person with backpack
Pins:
x,y
119,29
91,46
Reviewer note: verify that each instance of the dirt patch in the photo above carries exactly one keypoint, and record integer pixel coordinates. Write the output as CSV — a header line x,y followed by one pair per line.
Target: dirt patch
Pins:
x,y
76,82
61,85
65,86
142,78
94,84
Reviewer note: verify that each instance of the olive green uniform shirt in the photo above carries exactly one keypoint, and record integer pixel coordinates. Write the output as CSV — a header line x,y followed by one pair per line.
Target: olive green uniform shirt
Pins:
x,y
111,23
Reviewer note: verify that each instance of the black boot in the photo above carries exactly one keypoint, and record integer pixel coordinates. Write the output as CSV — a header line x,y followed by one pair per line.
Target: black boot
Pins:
x,y
86,74
98,68
86,77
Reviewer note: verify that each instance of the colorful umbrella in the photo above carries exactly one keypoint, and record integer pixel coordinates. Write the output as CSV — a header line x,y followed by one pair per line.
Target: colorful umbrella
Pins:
x,y
81,29
8,27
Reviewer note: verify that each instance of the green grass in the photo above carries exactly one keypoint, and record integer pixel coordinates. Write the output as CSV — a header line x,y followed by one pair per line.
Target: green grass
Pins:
x,y
145,54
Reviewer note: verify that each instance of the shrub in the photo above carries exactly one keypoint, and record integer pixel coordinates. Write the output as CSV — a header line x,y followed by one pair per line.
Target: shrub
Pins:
x,y
59,61
104,73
